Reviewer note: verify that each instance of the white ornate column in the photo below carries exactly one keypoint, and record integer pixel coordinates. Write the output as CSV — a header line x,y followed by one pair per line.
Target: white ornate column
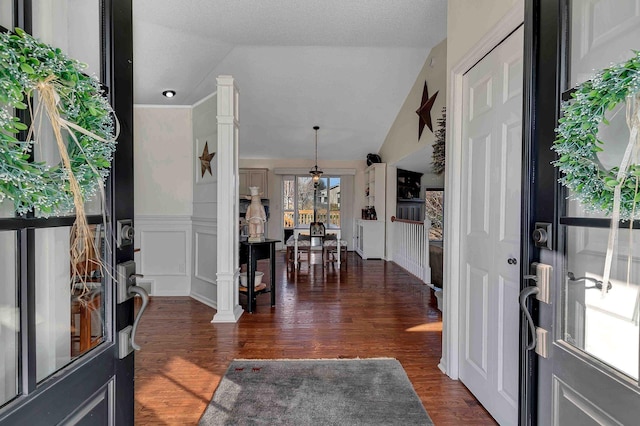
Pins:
x,y
228,307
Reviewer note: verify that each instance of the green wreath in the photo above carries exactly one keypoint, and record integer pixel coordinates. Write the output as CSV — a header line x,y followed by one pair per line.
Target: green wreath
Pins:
x,y
28,66
577,143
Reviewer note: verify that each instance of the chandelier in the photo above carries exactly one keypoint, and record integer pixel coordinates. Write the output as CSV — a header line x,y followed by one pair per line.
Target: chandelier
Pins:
x,y
315,173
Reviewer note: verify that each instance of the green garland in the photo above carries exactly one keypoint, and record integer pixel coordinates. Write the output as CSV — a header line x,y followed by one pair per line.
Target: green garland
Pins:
x,y
25,64
577,143
438,155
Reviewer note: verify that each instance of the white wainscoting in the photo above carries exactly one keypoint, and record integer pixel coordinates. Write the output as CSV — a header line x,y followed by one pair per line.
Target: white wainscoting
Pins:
x,y
165,253
203,281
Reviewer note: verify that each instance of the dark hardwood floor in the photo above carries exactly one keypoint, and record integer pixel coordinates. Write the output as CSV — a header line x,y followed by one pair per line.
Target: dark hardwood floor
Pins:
x,y
369,309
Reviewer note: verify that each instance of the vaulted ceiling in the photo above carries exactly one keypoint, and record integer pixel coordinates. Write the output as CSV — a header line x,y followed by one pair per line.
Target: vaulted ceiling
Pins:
x,y
344,65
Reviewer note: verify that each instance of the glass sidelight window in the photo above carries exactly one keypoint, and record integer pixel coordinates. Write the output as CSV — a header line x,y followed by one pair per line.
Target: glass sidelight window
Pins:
x,y
603,325
9,317
6,14
601,319
58,359
71,26
69,310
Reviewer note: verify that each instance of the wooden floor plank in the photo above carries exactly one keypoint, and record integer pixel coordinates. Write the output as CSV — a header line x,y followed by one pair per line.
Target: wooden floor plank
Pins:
x,y
369,309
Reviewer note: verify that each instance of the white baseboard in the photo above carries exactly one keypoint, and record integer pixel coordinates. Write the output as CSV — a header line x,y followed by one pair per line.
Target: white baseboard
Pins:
x,y
442,366
204,300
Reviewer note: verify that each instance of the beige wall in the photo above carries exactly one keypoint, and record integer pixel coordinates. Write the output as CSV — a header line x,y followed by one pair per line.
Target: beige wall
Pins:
x,y
468,21
205,131
402,139
163,156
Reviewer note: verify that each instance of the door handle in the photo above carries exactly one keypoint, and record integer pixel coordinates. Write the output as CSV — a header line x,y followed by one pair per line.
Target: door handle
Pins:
x,y
597,284
134,289
524,294
126,289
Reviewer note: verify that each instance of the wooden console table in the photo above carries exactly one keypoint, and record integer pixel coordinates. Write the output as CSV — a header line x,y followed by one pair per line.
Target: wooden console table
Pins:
x,y
250,253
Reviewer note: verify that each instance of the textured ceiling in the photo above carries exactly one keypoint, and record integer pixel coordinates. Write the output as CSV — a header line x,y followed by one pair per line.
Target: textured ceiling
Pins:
x,y
345,65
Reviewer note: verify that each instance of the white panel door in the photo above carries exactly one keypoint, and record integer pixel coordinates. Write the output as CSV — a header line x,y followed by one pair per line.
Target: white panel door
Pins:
x,y
490,238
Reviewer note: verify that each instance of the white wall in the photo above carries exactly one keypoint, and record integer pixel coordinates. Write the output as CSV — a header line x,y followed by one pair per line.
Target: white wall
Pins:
x,y
163,161
467,22
204,224
402,139
164,166
402,144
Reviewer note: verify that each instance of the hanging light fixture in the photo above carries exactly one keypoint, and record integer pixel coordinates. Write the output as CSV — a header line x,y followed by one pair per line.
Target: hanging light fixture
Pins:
x,y
315,173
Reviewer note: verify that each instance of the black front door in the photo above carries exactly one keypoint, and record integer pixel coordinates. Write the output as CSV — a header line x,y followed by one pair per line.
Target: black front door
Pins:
x,y
60,361
584,369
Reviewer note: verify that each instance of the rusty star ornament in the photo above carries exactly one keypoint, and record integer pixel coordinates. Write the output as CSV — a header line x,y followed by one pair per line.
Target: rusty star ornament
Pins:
x,y
205,159
424,112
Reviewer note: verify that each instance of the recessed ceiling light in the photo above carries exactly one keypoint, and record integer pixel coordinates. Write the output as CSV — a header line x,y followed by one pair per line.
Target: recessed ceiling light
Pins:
x,y
169,93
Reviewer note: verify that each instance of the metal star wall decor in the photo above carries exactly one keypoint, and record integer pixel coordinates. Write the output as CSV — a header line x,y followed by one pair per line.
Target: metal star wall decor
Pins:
x,y
205,159
424,112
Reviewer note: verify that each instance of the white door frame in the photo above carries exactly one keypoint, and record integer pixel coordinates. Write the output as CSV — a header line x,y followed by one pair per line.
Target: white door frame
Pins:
x,y
453,201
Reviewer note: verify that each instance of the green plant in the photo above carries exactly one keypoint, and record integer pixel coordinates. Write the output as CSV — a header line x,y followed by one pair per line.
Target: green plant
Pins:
x,y
438,156
577,143
41,79
80,111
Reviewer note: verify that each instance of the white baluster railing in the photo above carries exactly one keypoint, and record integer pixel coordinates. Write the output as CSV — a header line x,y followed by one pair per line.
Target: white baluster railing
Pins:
x,y
411,246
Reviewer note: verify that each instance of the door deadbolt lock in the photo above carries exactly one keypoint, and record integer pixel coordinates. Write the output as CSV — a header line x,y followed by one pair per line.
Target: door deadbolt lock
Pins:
x,y
542,235
128,232
124,233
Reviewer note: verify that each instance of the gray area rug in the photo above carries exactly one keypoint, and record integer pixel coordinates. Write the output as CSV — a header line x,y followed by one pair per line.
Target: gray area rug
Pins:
x,y
315,392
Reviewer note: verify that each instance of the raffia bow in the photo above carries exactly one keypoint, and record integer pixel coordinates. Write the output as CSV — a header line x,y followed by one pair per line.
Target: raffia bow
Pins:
x,y
630,155
81,239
